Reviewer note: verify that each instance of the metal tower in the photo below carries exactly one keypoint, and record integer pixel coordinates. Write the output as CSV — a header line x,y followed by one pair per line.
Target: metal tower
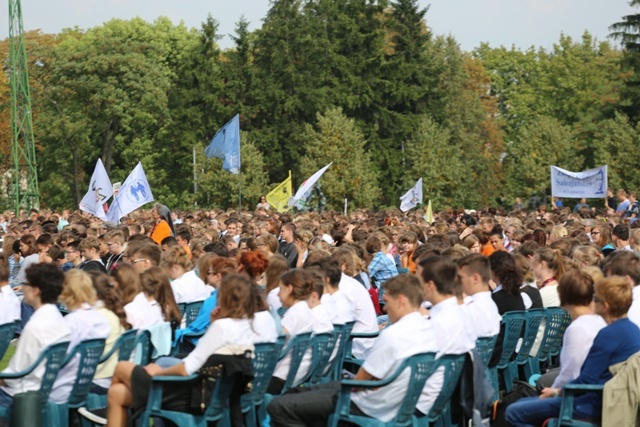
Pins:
x,y
24,192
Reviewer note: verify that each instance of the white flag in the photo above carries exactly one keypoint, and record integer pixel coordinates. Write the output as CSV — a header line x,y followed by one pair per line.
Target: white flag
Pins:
x,y
412,197
99,192
134,193
588,184
304,191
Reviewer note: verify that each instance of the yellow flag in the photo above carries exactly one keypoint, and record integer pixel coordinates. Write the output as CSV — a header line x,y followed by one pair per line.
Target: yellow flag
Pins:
x,y
429,215
279,196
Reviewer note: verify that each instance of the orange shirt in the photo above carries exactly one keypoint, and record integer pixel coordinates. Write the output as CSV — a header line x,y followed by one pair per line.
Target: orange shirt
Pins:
x,y
487,249
160,231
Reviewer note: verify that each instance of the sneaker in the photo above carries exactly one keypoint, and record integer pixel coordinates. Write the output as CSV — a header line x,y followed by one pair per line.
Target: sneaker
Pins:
x,y
96,416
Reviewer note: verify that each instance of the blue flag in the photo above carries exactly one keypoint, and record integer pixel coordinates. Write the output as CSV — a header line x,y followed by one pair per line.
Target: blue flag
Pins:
x,y
226,145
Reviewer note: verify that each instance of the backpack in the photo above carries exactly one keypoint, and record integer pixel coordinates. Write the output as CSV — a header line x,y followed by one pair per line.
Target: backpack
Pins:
x,y
520,390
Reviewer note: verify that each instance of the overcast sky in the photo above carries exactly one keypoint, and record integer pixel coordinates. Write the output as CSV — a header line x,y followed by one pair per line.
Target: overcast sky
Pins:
x,y
522,23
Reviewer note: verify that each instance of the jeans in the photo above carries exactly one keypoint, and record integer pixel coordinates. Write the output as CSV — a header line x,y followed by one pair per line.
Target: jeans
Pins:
x,y
533,411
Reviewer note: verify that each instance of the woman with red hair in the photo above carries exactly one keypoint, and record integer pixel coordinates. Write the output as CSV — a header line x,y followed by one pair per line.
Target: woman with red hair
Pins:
x,y
254,263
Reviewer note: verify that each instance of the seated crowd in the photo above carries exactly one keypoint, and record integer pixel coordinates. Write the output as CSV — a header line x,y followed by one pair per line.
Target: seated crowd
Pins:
x,y
415,287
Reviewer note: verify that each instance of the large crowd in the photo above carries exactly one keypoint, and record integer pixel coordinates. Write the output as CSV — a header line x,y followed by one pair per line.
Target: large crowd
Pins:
x,y
422,287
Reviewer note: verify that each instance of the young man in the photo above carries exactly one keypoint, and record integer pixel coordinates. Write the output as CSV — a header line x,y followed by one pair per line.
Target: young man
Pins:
x,y
183,237
45,327
114,239
90,251
620,236
73,256
145,256
287,246
313,405
474,273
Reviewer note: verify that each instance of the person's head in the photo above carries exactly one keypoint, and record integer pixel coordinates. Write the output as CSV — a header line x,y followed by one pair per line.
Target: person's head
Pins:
x,y
472,243
505,272
183,237
127,280
347,260
547,263
72,251
319,283
585,255
621,235
219,268
175,262
486,224
437,275
286,232
262,199
28,245
295,285
625,264
43,285
496,240
407,241
403,294
107,292
90,248
44,242
278,265
601,235
254,263
114,239
622,195
145,256
374,244
155,284
613,297
575,288
4,269
77,289
474,273
217,248
236,297
233,228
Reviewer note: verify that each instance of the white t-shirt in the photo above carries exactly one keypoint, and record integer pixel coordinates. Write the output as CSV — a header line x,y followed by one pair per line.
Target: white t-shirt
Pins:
x,y
451,327
339,307
550,296
142,313
9,305
273,298
85,323
576,344
394,344
298,319
45,327
634,311
483,314
190,288
321,320
264,327
224,336
365,313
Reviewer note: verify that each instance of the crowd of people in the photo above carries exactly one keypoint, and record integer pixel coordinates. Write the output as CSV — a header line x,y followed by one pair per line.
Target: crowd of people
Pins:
x,y
425,286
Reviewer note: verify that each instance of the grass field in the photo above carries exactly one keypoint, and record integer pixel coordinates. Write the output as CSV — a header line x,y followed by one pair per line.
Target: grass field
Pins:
x,y
7,356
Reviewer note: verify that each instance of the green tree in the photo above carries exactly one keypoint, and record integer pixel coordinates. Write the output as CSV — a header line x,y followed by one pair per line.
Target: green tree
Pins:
x,y
619,149
628,33
337,139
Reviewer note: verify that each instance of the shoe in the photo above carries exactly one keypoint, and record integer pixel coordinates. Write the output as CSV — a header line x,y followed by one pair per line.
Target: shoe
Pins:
x,y
96,416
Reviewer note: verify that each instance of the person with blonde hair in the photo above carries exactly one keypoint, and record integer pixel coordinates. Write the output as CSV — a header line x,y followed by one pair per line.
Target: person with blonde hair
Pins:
x,y
548,266
186,285
85,323
472,243
586,255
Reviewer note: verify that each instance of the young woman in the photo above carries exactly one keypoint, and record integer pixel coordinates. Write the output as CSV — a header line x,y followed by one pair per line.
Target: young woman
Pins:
x,y
278,265
601,235
295,288
230,333
548,266
128,282
187,286
155,303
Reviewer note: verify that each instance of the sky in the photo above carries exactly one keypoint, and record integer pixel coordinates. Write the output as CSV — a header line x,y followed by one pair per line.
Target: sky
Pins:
x,y
519,23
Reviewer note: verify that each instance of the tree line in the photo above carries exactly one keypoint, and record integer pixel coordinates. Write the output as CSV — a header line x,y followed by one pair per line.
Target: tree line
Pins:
x,y
362,83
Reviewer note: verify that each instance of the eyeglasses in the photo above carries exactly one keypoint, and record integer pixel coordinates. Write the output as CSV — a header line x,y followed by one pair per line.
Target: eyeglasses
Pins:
x,y
594,233
135,261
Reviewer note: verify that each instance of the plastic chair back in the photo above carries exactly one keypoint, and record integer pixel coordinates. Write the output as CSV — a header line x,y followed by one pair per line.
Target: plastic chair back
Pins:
x,y
343,332
513,326
191,311
54,356
89,353
297,346
533,319
7,331
322,348
263,366
557,321
422,367
143,347
453,364
124,346
485,346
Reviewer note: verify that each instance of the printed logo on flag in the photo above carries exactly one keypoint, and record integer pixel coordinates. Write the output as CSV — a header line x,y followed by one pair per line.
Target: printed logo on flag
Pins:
x,y
138,191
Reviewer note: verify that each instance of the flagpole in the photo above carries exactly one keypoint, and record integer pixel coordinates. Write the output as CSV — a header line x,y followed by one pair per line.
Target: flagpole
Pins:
x,y
239,192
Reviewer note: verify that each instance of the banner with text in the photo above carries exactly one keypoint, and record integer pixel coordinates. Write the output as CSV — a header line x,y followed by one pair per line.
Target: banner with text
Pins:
x,y
590,184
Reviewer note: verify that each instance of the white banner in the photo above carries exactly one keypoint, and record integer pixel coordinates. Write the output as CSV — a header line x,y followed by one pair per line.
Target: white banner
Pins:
x,y
412,197
590,184
99,192
304,191
134,193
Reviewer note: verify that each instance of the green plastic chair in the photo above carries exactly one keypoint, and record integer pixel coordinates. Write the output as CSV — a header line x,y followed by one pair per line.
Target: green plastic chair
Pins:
x,y
53,357
421,366
348,356
88,355
143,347
440,413
322,346
533,320
557,321
485,346
7,332
569,393
513,324
191,311
343,332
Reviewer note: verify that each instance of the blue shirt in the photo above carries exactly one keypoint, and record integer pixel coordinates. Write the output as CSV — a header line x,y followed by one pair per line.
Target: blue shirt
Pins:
x,y
614,343
201,323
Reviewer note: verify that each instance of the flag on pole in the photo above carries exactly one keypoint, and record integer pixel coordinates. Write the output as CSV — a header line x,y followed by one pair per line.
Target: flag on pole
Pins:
x,y
134,193
279,196
429,215
100,191
304,191
412,197
226,145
